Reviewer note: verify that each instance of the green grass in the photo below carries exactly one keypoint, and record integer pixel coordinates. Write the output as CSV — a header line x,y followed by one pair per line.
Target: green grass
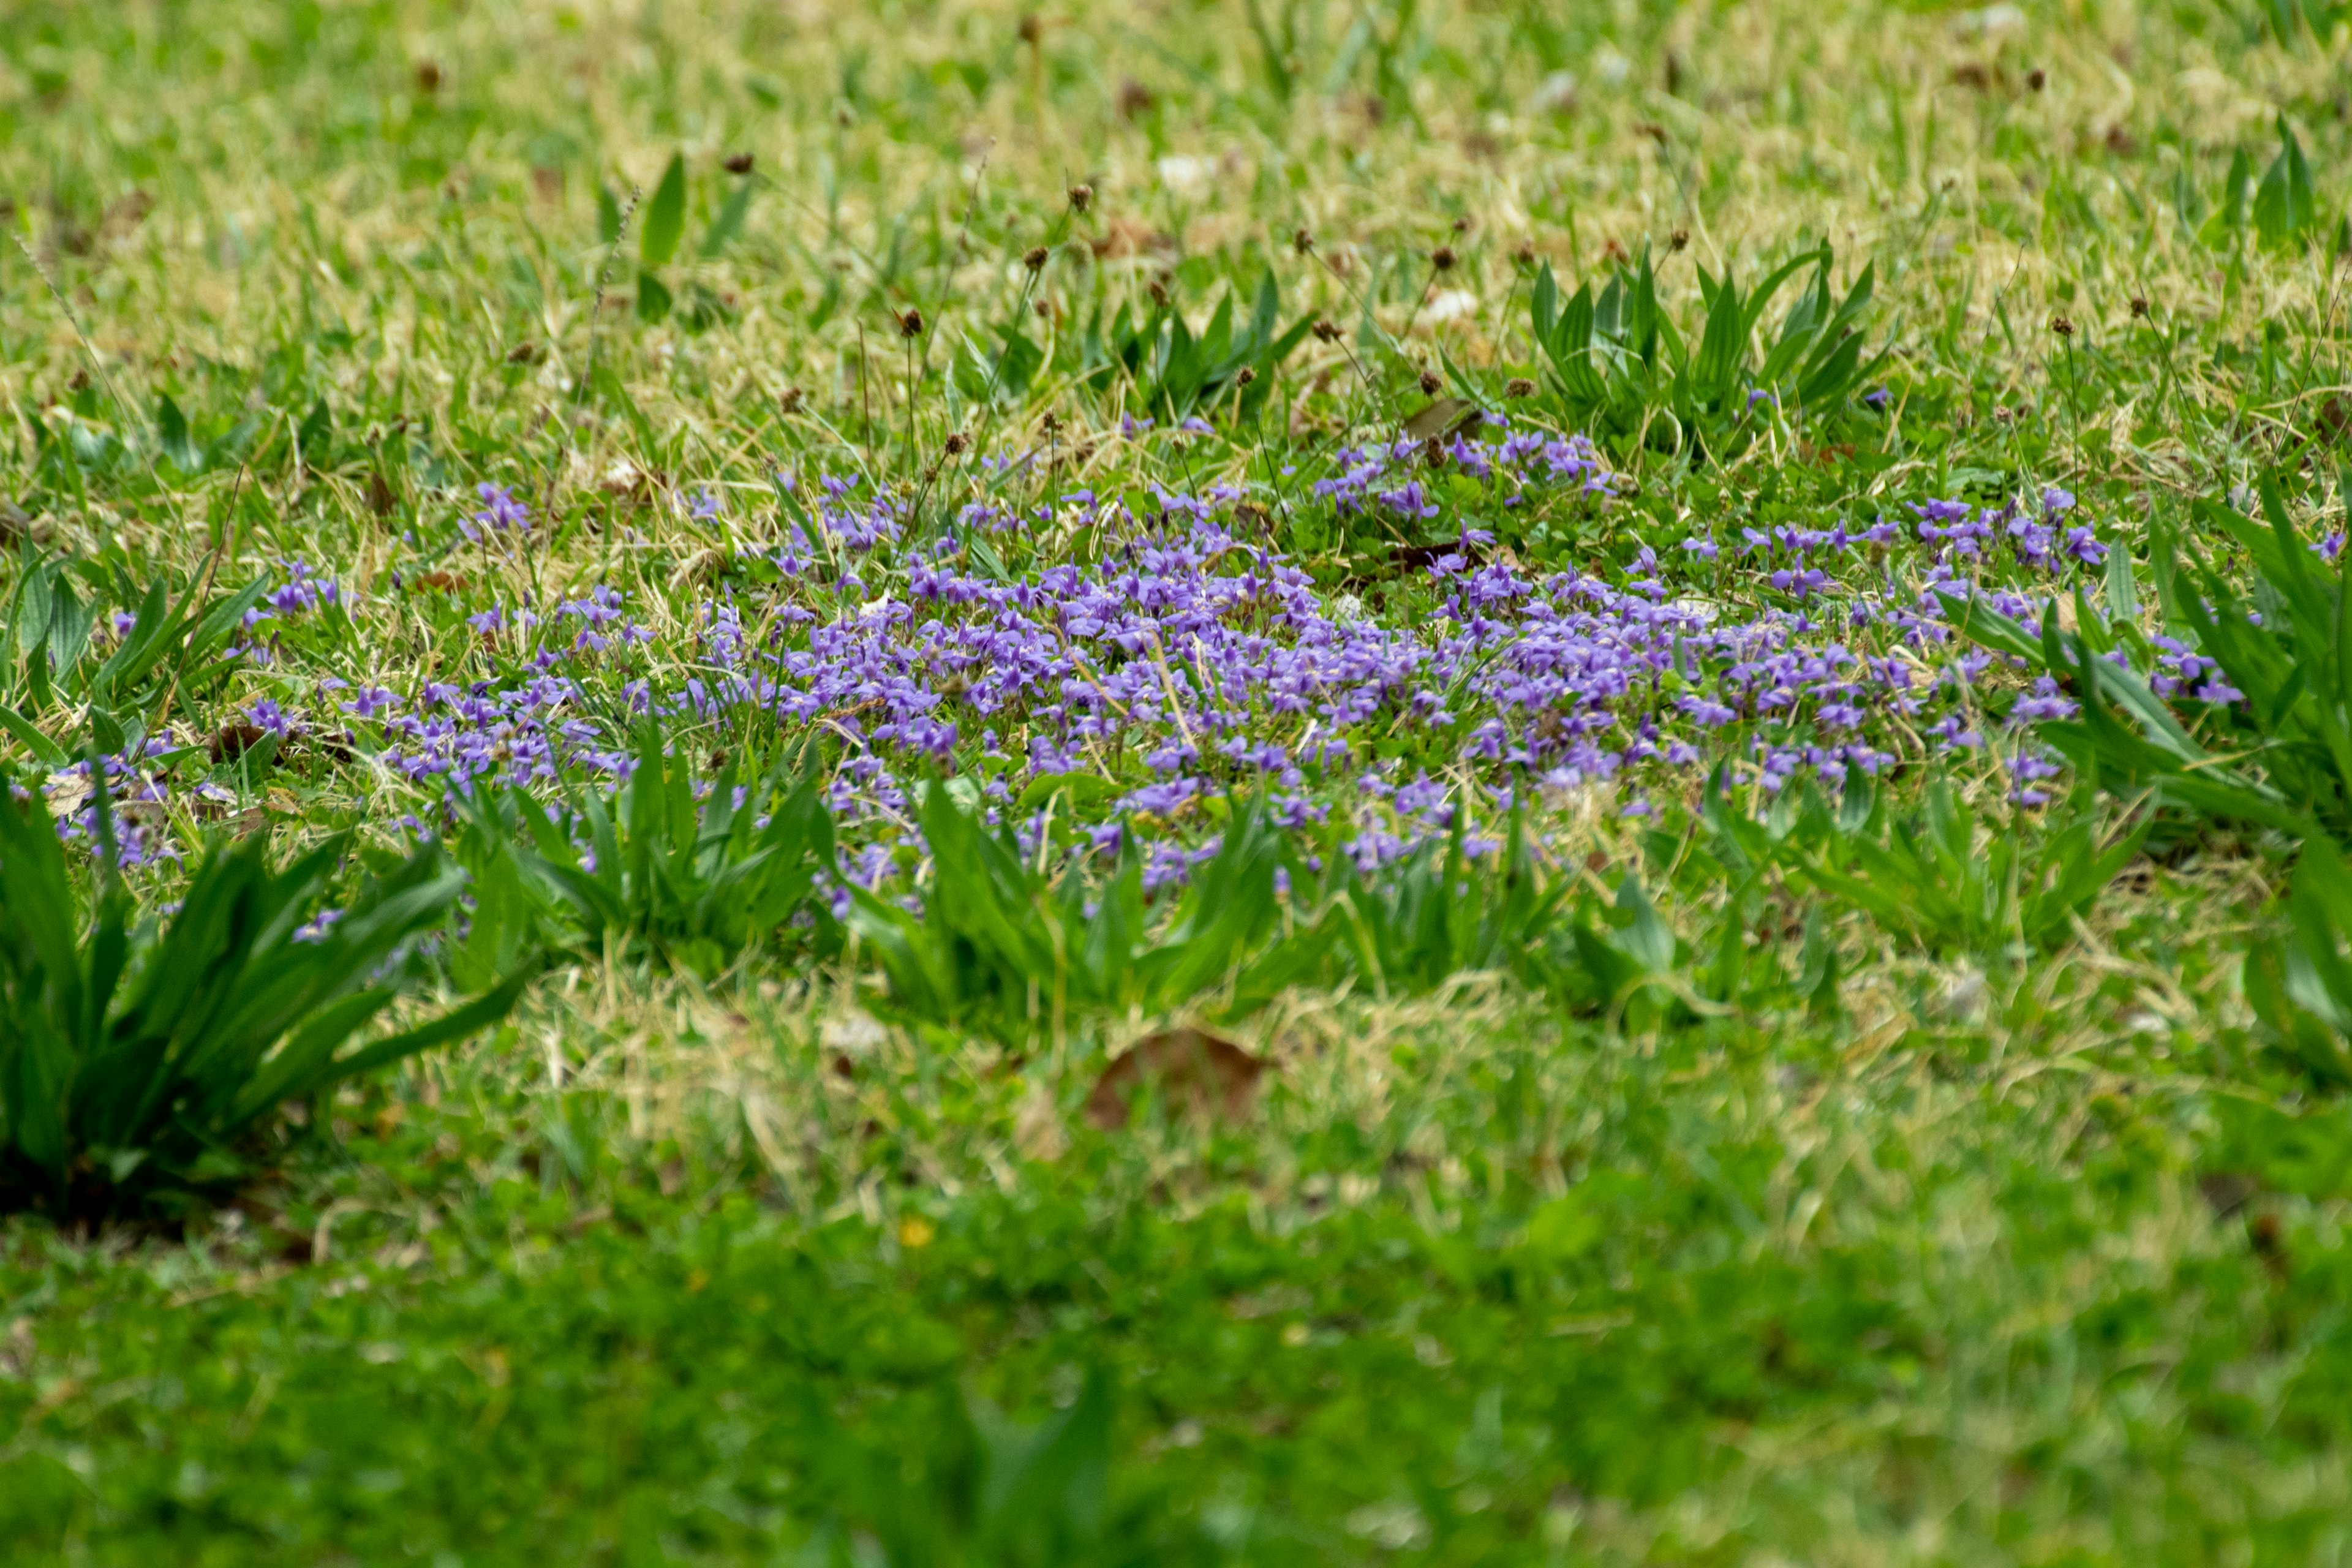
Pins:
x,y
1778,1171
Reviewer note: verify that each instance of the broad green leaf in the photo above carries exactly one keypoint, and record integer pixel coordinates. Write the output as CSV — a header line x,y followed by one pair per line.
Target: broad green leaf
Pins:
x,y
50,753
36,605
2229,215
312,438
172,433
653,298
2286,207
665,223
729,221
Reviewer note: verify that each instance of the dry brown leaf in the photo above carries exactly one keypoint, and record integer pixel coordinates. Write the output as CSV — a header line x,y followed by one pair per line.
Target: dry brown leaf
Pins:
x,y
234,739
1441,418
1193,1068
1125,237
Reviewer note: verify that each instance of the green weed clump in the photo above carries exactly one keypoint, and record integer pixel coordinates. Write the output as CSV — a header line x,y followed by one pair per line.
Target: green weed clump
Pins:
x,y
173,648
2263,668
1619,364
2270,745
1005,948
698,883
1944,876
144,1059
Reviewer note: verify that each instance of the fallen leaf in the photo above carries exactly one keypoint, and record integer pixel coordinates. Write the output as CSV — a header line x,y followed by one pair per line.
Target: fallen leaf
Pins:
x,y
1126,237
68,793
2227,1190
235,739
1206,1075
1441,417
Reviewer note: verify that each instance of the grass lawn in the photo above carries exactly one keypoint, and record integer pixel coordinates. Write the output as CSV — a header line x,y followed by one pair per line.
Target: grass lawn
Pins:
x,y
1234,781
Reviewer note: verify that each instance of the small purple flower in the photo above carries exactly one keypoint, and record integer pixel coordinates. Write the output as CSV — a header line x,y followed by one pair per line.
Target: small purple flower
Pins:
x,y
316,929
369,702
501,512
304,589
264,713
2025,773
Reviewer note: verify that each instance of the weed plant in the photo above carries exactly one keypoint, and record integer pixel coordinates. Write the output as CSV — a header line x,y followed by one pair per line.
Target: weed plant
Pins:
x,y
144,1061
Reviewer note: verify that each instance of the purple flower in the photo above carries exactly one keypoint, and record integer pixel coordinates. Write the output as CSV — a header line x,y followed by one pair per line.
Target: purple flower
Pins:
x,y
500,513
371,700
304,589
2083,547
2026,771
264,713
2044,702
316,929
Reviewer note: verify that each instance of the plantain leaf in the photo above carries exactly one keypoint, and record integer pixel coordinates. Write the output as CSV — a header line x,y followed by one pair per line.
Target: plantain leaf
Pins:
x,y
665,215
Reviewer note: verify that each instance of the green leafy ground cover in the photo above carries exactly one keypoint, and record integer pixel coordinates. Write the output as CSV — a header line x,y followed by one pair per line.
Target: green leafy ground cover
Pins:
x,y
1676,672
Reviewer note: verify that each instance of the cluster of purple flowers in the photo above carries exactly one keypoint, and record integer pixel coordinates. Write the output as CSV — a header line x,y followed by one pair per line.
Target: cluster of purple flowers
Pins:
x,y
1201,657
136,791
1188,655
2041,539
304,589
1380,479
530,732
2181,672
859,525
